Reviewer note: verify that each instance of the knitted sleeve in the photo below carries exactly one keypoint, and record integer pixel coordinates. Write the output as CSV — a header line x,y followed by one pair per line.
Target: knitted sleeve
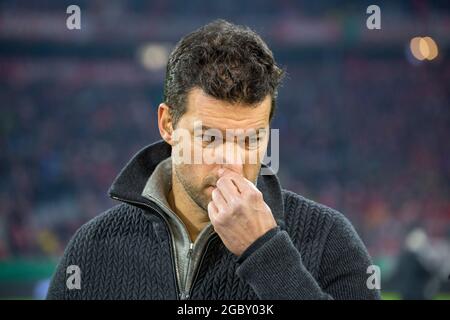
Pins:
x,y
275,270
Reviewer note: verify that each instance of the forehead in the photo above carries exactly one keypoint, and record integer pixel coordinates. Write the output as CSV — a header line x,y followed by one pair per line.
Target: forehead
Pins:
x,y
220,114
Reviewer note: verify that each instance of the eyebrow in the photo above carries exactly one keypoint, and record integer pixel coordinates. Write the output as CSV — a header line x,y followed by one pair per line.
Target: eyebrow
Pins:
x,y
205,128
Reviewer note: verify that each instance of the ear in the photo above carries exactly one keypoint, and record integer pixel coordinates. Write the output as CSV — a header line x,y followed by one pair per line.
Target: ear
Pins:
x,y
165,123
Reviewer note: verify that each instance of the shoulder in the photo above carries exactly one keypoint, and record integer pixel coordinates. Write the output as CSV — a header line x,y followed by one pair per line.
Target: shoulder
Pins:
x,y
322,233
308,220
120,228
118,220
98,245
300,209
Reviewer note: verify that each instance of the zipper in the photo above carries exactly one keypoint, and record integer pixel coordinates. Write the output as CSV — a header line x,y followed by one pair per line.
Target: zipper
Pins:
x,y
189,285
197,271
174,265
182,282
186,282
185,294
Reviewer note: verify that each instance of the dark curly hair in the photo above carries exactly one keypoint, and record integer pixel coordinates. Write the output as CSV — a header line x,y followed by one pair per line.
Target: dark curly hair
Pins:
x,y
227,61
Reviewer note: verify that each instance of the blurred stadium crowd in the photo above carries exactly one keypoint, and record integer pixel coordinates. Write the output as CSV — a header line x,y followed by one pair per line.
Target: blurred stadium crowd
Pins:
x,y
363,128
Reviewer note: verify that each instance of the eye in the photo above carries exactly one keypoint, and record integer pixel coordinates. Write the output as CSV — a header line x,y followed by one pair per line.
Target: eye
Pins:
x,y
209,140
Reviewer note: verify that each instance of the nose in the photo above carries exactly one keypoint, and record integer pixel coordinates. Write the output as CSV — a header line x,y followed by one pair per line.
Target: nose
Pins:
x,y
229,155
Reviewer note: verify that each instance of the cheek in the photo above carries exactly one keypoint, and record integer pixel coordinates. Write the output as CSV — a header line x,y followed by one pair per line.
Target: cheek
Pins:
x,y
263,148
208,155
188,172
253,157
198,173
251,172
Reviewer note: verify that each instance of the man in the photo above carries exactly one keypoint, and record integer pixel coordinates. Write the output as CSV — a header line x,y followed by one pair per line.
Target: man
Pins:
x,y
214,228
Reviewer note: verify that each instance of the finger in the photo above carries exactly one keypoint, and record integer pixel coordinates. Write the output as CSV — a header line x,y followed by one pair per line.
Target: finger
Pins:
x,y
227,188
219,200
243,185
212,212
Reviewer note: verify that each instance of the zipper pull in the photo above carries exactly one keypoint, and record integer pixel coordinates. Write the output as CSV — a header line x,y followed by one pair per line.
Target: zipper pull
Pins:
x,y
184,296
191,249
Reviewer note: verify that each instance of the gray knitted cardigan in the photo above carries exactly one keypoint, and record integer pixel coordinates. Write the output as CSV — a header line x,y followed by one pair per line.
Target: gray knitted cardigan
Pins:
x,y
126,252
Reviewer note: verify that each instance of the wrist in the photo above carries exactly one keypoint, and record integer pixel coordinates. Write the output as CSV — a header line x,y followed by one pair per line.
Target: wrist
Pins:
x,y
258,243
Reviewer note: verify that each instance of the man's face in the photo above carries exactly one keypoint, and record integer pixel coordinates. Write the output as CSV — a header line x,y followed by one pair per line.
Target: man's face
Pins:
x,y
232,136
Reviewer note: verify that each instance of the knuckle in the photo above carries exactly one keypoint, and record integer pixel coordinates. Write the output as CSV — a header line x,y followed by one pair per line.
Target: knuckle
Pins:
x,y
257,195
235,204
222,212
220,220
220,182
252,196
